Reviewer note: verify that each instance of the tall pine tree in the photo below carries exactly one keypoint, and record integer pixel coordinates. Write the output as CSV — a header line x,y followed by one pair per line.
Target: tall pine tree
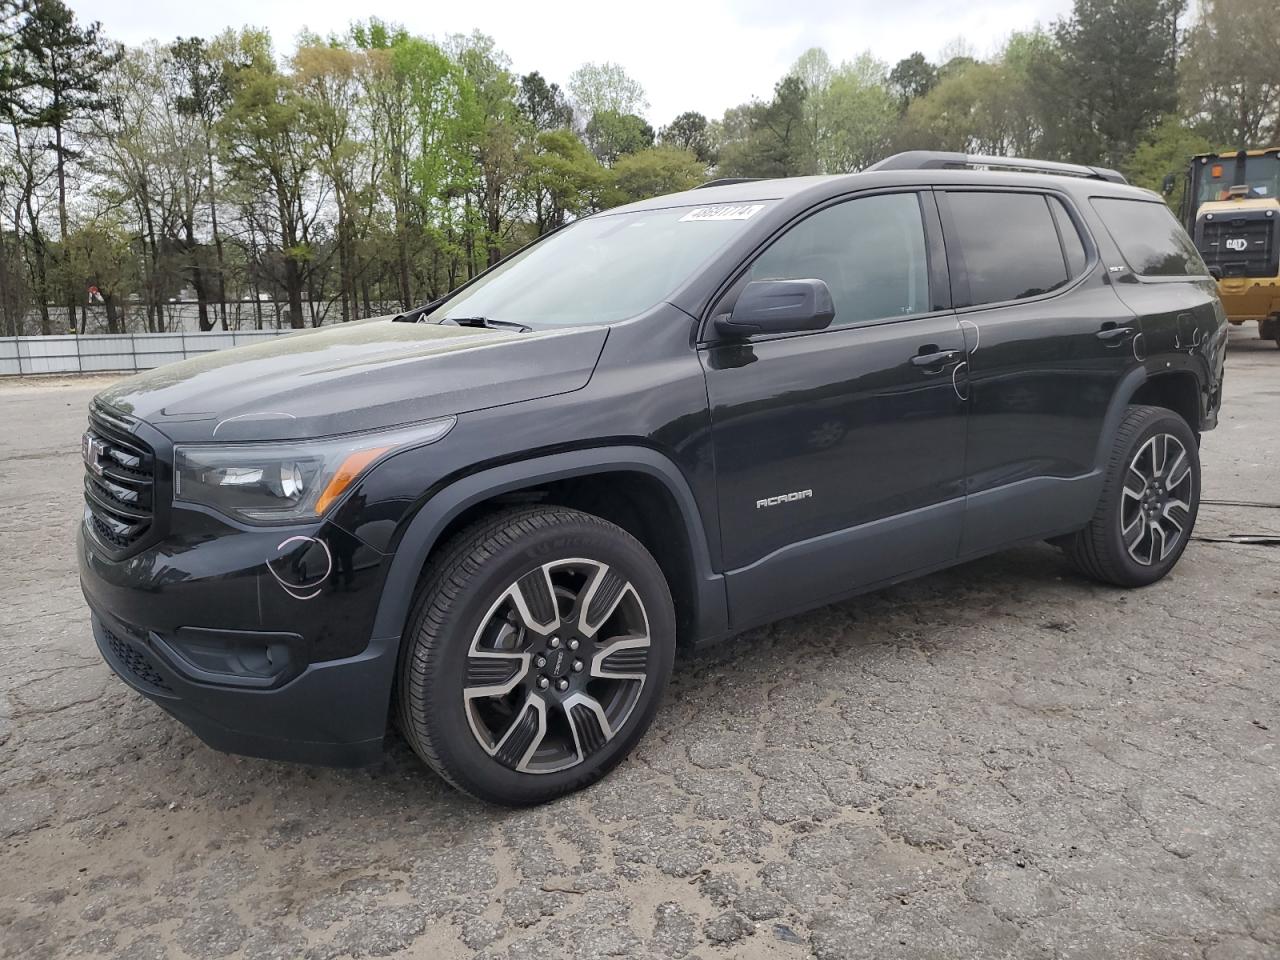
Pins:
x,y
63,68
1117,75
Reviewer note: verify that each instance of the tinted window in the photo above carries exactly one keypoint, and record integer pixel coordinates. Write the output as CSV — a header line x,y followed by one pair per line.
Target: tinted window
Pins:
x,y
1009,243
870,252
1151,241
1071,244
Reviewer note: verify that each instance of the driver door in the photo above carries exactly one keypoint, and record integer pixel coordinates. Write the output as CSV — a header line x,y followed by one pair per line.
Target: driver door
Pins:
x,y
839,453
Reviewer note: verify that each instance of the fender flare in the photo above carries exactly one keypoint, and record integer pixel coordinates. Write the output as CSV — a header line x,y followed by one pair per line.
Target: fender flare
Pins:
x,y
1125,389
426,526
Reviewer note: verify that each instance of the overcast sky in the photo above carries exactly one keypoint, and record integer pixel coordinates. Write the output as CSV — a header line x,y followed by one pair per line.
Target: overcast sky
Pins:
x,y
690,54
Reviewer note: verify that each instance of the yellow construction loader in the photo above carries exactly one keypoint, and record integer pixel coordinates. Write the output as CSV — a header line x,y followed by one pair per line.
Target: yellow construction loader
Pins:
x,y
1231,208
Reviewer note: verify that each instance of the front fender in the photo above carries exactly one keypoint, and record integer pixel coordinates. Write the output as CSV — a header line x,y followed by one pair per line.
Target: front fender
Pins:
x,y
424,529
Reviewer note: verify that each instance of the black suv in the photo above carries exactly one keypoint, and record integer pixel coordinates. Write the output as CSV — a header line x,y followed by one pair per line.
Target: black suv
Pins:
x,y
494,518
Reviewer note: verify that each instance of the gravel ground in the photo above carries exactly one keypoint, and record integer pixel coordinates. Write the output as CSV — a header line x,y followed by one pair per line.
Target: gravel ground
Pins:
x,y
1003,760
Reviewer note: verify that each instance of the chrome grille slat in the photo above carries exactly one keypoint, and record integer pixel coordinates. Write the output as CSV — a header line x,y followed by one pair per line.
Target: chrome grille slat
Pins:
x,y
119,482
109,505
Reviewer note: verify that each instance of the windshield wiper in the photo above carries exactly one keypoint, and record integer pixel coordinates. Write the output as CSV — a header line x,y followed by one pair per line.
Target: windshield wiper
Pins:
x,y
487,323
416,314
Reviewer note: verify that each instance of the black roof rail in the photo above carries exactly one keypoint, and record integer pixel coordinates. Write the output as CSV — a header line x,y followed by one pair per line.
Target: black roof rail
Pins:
x,y
942,160
726,181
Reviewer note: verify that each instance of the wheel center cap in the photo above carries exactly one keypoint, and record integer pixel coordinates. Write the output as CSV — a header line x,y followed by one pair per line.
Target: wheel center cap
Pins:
x,y
558,661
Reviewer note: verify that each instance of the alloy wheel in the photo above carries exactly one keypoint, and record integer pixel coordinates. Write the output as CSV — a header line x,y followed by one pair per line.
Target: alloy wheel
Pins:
x,y
557,665
1155,506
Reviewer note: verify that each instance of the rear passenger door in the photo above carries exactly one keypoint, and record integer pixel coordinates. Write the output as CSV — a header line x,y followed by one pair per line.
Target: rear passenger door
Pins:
x,y
1048,343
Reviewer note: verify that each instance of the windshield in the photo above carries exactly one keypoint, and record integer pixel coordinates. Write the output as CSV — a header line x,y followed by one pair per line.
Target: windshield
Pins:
x,y
605,268
1261,176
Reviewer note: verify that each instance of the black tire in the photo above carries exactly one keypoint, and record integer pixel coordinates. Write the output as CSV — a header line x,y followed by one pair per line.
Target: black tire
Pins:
x,y
1102,550
467,605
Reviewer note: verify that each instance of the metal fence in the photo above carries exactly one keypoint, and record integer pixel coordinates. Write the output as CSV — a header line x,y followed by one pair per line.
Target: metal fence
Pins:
x,y
127,352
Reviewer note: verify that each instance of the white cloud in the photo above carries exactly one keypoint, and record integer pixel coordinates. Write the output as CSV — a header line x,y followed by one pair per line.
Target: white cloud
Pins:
x,y
690,56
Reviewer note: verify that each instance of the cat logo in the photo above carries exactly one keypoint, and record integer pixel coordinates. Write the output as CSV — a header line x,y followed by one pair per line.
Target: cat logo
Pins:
x,y
784,498
1239,244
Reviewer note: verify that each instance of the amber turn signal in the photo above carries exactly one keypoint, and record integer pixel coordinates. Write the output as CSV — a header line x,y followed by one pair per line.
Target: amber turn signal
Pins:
x,y
346,474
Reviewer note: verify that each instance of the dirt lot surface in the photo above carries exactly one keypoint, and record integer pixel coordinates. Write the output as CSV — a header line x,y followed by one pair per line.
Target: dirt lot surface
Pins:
x,y
1003,760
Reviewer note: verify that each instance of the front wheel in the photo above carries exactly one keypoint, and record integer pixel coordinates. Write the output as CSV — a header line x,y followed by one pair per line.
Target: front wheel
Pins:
x,y
1150,498
537,654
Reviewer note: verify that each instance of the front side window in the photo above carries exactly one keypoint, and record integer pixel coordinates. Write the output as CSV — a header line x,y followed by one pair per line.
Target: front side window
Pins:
x,y
602,269
870,252
1150,239
1009,244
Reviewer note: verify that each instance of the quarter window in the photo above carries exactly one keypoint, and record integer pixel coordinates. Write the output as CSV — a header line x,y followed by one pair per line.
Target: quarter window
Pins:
x,y
1151,241
870,252
1009,244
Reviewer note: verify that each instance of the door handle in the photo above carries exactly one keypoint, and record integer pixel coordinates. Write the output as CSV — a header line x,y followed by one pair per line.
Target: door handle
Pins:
x,y
1115,333
935,359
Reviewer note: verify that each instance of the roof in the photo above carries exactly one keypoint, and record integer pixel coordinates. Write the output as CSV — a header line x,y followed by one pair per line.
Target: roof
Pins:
x,y
818,188
1232,154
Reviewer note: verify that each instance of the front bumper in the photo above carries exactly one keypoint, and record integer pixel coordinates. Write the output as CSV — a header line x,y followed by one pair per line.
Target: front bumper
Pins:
x,y
252,669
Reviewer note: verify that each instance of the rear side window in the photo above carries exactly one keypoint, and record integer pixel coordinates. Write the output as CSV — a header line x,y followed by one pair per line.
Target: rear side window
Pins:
x,y
1150,239
1009,244
1072,247
869,251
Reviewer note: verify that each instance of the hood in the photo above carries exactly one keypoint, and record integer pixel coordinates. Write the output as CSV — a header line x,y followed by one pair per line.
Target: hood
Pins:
x,y
355,376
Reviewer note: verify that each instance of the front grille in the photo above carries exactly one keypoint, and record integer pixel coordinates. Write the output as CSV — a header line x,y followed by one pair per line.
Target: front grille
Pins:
x,y
1243,246
135,661
119,483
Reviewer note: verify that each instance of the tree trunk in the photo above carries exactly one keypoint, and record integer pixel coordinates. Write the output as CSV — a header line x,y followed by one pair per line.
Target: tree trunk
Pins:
x,y
345,280
217,236
39,254
254,286
293,286
197,280
402,239
61,160
113,323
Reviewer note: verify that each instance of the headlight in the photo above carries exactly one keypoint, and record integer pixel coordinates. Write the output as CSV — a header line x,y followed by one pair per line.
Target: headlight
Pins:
x,y
292,480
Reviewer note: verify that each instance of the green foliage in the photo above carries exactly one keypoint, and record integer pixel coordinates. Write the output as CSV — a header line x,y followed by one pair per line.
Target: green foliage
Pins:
x,y
690,131
377,169
612,135
1117,74
565,179
654,171
1166,150
771,139
911,78
544,104
1231,72
601,87
992,107
853,116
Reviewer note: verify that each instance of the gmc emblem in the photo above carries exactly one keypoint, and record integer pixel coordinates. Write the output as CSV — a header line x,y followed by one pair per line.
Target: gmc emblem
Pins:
x,y
93,450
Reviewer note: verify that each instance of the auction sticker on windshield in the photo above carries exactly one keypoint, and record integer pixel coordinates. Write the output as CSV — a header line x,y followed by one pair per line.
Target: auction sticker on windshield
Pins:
x,y
739,211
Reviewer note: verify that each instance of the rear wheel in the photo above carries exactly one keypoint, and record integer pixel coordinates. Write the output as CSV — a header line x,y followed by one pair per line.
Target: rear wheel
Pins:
x,y
537,655
1150,497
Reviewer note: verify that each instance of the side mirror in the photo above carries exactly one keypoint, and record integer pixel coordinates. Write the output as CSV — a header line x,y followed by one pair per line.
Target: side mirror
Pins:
x,y
1170,182
779,306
